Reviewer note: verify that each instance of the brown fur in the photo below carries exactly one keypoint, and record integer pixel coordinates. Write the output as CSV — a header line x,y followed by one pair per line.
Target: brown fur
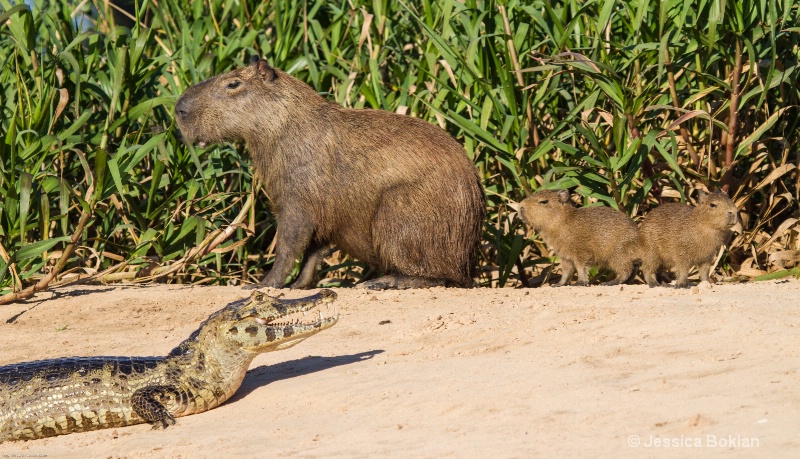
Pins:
x,y
582,237
677,236
393,191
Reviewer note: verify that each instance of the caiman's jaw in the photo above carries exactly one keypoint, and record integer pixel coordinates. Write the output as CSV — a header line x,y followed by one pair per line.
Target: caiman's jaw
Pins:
x,y
268,324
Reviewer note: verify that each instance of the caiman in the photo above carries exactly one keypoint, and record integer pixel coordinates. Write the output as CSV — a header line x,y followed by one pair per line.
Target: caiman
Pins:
x,y
52,397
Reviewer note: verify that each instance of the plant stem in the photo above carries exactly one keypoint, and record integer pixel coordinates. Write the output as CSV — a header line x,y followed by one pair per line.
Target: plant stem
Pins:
x,y
727,178
62,261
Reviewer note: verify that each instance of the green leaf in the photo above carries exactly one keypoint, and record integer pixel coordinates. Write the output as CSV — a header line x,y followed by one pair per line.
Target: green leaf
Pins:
x,y
37,248
744,144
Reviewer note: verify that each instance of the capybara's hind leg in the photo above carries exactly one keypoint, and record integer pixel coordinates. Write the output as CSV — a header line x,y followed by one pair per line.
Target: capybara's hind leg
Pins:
x,y
413,239
401,282
650,273
623,274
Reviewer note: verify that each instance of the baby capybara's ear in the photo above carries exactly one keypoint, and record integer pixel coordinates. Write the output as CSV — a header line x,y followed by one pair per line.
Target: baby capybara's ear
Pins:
x,y
702,196
563,196
254,59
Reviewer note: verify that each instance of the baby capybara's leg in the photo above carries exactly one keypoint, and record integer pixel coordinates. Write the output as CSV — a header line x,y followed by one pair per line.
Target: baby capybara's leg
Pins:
x,y
623,271
705,270
649,271
583,275
682,276
567,270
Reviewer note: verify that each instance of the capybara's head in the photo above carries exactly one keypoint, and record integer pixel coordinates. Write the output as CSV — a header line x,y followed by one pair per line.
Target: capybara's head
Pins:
x,y
229,106
716,210
543,207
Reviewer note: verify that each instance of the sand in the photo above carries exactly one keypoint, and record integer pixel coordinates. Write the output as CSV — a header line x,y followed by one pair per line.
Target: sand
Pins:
x,y
577,371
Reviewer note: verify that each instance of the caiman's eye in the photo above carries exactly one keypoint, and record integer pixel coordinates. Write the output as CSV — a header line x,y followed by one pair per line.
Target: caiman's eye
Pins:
x,y
259,297
233,84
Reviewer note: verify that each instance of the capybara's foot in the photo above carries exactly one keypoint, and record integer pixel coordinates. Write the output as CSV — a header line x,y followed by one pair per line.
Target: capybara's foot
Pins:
x,y
399,282
581,283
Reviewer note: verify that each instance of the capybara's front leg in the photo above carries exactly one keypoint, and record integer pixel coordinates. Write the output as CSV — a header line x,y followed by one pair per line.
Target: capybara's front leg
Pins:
x,y
311,264
294,235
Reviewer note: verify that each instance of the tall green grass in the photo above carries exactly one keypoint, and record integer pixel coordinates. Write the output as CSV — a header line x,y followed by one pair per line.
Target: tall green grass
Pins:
x,y
629,102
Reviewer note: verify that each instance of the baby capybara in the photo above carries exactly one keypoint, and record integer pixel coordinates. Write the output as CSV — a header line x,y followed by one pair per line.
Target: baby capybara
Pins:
x,y
393,191
582,237
678,236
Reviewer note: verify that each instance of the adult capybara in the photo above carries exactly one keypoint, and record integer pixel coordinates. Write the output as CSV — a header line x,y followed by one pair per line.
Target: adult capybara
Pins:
x,y
677,236
393,191
582,237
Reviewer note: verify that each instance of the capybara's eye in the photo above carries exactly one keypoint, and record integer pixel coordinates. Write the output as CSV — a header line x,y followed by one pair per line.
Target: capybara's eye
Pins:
x,y
234,84
543,201
713,205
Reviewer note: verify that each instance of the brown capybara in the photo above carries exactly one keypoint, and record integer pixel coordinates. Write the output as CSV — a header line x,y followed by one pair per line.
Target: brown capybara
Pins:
x,y
677,236
582,237
393,191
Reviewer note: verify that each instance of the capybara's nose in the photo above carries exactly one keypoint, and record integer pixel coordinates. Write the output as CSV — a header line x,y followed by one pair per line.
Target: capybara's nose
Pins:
x,y
182,107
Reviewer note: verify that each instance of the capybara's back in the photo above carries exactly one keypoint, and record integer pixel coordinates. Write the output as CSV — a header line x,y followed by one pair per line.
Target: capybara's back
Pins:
x,y
393,191
582,237
677,236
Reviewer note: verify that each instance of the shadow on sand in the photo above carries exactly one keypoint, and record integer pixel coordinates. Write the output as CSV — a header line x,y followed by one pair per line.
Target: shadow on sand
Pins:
x,y
266,374
55,295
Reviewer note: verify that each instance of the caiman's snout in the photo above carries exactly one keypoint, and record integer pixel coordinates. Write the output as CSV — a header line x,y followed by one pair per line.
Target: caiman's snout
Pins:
x,y
270,311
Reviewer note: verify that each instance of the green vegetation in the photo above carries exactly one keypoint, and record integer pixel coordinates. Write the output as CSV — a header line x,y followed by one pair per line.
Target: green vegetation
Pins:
x,y
631,102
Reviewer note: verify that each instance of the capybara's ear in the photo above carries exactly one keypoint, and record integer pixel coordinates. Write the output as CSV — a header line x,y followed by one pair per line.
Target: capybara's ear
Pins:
x,y
701,196
254,59
563,196
265,71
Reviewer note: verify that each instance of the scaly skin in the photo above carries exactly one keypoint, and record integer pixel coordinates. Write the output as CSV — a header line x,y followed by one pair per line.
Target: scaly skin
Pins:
x,y
60,396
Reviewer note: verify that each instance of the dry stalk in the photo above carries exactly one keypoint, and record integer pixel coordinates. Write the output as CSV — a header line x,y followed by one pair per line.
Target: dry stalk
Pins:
x,y
62,261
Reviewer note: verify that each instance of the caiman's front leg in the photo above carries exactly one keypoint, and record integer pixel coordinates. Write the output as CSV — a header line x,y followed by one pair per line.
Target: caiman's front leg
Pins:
x,y
148,403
